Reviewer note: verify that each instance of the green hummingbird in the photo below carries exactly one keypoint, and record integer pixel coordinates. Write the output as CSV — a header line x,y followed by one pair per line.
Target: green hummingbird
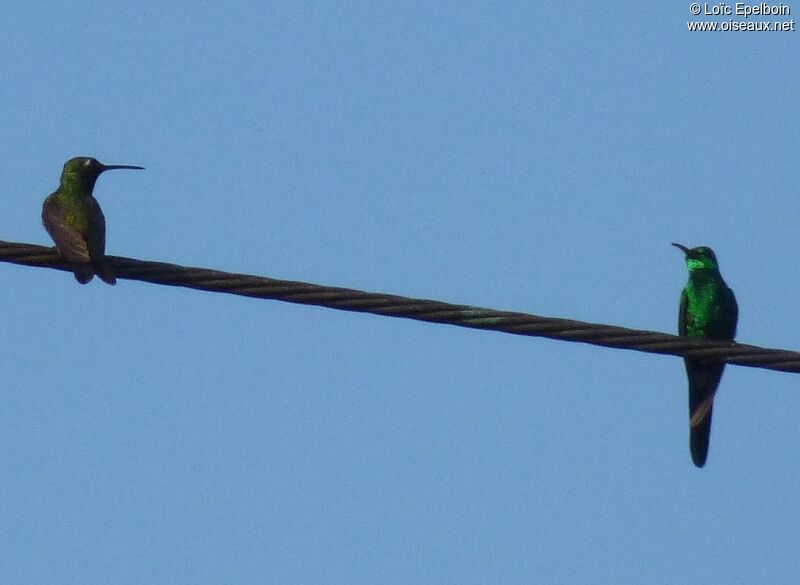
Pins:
x,y
708,310
73,218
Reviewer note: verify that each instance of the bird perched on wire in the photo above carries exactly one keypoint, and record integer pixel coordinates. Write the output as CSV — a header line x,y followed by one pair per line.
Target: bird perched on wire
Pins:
x,y
73,218
708,309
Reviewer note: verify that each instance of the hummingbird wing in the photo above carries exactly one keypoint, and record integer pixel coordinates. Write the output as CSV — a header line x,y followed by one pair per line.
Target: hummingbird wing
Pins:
x,y
682,313
96,236
727,316
96,241
68,239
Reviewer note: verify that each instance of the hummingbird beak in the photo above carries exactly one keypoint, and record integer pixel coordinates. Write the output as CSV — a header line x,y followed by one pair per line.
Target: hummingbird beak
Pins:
x,y
112,167
681,247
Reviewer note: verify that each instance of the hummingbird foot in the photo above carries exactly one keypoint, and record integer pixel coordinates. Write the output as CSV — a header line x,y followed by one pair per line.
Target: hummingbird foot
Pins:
x,y
105,273
84,273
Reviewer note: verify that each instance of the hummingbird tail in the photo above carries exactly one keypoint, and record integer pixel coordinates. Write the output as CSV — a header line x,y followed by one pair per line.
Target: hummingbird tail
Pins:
x,y
699,436
704,377
105,273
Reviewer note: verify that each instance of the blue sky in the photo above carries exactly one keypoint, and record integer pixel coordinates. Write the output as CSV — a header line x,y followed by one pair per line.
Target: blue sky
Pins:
x,y
538,158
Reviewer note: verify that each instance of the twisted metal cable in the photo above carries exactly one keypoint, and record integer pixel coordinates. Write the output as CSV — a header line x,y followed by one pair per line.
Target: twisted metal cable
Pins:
x,y
347,299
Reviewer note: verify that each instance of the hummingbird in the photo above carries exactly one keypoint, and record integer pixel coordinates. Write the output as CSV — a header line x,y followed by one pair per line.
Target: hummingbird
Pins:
x,y
73,218
708,309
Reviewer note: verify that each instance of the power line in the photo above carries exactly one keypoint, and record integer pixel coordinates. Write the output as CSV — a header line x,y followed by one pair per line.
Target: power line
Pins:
x,y
347,299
